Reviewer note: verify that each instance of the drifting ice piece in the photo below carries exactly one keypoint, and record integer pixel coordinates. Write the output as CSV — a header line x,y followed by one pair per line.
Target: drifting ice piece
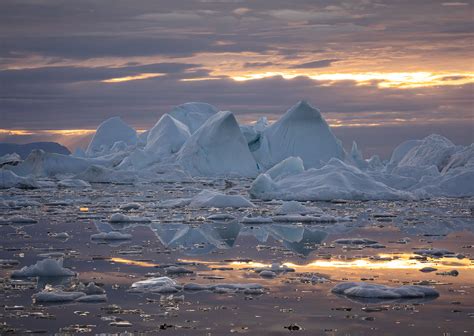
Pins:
x,y
218,148
364,290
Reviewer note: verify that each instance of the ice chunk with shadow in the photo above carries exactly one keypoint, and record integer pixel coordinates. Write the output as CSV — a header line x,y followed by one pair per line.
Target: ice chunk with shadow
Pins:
x,y
375,293
44,268
155,285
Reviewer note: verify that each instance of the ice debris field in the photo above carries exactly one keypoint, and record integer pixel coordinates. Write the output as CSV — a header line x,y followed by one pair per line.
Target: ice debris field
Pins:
x,y
204,226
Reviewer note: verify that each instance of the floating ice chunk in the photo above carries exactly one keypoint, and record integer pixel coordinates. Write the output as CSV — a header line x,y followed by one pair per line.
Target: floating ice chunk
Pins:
x,y
364,290
112,235
56,295
60,235
218,148
355,241
302,132
434,252
267,274
121,218
276,268
193,114
221,216
9,179
161,284
214,199
73,183
177,270
130,206
336,180
19,219
44,268
92,298
108,133
166,137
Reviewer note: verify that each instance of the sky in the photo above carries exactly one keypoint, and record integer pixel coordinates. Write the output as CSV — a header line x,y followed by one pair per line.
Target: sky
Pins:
x,y
381,72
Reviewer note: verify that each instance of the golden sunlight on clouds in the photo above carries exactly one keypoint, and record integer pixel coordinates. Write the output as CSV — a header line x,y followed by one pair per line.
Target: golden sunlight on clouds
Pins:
x,y
132,78
385,80
65,132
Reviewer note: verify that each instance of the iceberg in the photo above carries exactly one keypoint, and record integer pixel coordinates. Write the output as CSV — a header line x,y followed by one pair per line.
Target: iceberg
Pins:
x,y
108,133
218,148
301,132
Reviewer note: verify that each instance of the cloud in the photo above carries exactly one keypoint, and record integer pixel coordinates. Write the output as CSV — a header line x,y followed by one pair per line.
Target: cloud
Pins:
x,y
316,64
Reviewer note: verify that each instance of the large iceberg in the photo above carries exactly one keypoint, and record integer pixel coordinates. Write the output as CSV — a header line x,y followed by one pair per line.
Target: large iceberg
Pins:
x,y
110,132
302,132
335,180
193,115
218,148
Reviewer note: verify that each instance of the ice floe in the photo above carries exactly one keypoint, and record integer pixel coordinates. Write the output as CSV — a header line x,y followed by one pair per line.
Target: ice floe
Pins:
x,y
375,291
